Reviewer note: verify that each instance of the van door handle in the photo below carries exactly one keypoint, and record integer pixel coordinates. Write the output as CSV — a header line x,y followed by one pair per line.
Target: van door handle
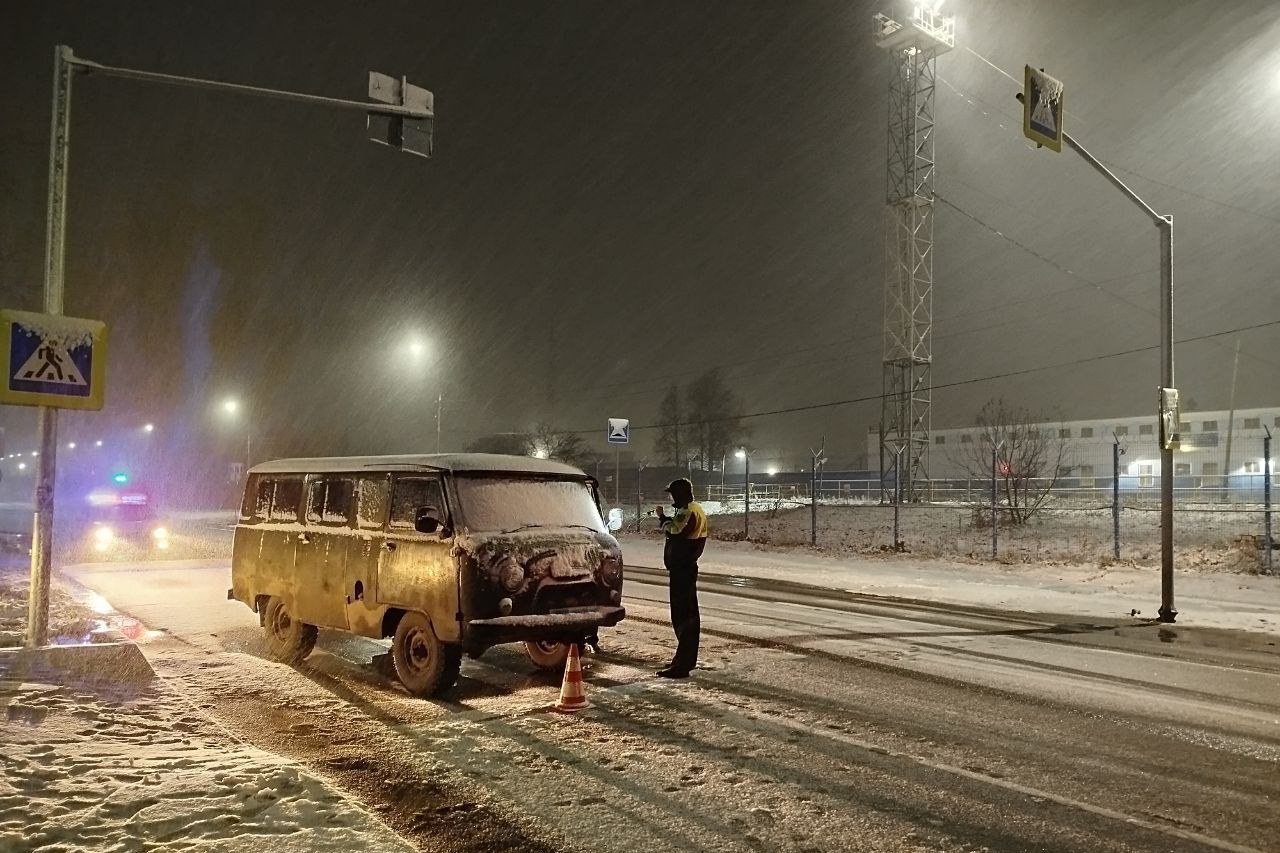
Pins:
x,y
390,546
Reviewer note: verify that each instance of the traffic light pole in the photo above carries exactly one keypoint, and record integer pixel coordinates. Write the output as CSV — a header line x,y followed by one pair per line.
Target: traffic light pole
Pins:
x,y
65,65
1164,224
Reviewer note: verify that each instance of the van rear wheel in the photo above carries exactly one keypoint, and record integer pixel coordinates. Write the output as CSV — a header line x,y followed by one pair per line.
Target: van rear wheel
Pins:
x,y
424,665
288,640
547,654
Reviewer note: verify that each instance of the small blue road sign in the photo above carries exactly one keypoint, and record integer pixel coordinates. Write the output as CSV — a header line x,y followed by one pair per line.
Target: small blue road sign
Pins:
x,y
619,430
50,360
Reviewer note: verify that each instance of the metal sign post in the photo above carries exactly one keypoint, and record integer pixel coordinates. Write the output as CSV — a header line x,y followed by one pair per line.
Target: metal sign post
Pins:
x,y
411,106
1035,100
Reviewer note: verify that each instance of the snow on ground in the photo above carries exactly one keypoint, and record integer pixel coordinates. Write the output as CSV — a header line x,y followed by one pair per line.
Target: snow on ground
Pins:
x,y
1212,599
86,772
1217,539
128,768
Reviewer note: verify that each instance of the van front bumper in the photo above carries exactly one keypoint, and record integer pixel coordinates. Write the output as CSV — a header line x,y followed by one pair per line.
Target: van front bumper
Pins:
x,y
568,619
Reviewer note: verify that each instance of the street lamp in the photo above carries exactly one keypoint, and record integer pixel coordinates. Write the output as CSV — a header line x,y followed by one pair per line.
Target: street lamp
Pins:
x,y
231,406
745,455
148,427
418,350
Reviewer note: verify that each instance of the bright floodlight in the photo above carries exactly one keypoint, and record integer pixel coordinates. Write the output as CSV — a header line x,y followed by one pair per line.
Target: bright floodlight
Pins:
x,y
772,471
539,453
741,454
148,427
71,445
98,443
417,347
22,466
231,406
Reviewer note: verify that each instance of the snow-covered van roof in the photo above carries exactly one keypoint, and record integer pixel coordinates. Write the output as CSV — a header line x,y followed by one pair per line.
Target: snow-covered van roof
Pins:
x,y
490,463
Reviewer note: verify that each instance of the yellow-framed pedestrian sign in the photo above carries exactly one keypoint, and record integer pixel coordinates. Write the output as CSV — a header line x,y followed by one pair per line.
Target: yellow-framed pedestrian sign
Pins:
x,y
51,360
1042,109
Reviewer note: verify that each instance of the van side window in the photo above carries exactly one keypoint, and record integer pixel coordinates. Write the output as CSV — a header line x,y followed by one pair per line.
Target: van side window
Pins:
x,y
330,502
252,507
284,503
408,494
371,502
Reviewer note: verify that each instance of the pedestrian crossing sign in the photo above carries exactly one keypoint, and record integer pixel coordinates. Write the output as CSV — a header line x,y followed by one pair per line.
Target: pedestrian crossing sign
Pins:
x,y
619,430
51,360
1042,109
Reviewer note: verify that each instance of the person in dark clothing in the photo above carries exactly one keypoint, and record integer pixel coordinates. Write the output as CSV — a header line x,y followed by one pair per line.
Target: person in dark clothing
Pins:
x,y
686,537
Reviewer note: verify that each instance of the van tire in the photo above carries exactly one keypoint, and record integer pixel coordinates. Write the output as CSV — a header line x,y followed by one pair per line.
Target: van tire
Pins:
x,y
424,665
288,640
546,655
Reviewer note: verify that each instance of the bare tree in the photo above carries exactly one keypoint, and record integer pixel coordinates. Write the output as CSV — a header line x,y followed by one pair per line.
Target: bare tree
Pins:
x,y
1029,456
551,442
667,445
714,413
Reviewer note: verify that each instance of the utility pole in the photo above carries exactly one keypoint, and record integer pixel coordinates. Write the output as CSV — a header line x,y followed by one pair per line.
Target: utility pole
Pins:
x,y
907,384
407,112
439,418
1042,123
995,509
818,459
1115,495
1268,541
1231,419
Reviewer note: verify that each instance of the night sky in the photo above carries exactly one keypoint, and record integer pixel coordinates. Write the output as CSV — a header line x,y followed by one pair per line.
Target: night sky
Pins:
x,y
624,194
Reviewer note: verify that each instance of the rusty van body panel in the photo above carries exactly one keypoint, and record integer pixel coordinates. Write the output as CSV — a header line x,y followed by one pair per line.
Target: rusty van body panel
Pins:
x,y
513,549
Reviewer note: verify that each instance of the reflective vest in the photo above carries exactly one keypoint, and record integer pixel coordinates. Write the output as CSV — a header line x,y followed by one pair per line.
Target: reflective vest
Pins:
x,y
690,522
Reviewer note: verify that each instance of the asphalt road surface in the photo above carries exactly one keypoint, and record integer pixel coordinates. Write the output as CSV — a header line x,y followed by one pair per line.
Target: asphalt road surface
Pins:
x,y
818,721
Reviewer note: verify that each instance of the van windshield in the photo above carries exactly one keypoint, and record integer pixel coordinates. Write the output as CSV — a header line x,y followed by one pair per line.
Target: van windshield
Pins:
x,y
500,504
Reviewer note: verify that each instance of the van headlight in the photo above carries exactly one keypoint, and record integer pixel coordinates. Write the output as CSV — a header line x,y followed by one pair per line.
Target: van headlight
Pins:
x,y
610,570
510,575
103,537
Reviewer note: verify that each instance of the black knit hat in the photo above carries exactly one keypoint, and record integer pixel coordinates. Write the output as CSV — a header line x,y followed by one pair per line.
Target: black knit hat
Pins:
x,y
681,491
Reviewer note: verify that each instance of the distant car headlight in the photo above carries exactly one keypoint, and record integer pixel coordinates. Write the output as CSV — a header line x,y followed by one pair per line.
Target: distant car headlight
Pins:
x,y
510,575
160,533
103,537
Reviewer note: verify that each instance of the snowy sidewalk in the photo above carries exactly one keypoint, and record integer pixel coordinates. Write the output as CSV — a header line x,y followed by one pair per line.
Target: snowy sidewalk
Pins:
x,y
1218,600
146,771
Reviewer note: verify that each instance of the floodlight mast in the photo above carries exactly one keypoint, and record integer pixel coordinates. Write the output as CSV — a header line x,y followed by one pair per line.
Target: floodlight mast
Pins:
x,y
907,383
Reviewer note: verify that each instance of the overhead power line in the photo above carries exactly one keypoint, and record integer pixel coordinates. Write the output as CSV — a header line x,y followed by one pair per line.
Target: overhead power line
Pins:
x,y
830,404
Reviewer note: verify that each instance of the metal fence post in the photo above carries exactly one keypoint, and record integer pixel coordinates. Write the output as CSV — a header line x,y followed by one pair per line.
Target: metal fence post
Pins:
x,y
1115,498
1267,541
995,521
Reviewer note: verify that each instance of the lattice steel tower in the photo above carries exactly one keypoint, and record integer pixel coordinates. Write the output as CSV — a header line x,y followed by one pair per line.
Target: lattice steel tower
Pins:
x,y
913,46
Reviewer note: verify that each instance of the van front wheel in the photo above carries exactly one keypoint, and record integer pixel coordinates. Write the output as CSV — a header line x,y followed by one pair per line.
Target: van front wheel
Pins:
x,y
289,640
546,654
424,665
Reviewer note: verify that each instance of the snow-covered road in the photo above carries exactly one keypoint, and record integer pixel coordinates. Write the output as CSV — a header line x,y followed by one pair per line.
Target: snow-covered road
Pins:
x,y
821,722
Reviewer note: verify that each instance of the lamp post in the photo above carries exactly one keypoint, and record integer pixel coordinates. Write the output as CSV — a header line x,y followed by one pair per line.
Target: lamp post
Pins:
x,y
420,352
745,455
232,407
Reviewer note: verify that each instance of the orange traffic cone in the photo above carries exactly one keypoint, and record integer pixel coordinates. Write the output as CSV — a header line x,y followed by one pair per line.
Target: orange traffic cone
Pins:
x,y
572,697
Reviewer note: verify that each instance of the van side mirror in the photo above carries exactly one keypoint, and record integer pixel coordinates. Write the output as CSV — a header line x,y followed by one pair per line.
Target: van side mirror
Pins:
x,y
426,519
615,520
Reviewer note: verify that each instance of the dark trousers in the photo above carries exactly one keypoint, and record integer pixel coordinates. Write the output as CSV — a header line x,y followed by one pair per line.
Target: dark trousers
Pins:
x,y
682,571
